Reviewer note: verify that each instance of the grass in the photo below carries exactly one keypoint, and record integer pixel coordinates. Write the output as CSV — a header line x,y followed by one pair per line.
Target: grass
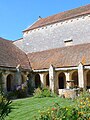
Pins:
x,y
26,109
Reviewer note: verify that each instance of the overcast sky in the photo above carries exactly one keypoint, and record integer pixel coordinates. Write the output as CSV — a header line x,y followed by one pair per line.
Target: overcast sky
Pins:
x,y
17,15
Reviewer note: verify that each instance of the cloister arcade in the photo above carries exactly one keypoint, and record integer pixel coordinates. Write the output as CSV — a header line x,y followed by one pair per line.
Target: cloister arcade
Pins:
x,y
65,79
53,78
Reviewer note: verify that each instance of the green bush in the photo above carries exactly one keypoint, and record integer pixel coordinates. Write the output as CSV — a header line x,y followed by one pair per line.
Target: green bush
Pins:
x,y
11,95
59,113
18,93
44,92
38,93
80,110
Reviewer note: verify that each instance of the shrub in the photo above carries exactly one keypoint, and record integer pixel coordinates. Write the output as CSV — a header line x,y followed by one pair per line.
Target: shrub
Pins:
x,y
59,113
46,92
21,92
30,88
11,95
38,93
83,105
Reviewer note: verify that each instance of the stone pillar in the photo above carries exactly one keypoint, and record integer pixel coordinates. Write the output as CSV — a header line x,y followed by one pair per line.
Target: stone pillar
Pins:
x,y
56,82
81,75
52,78
18,78
67,75
24,74
18,75
32,79
42,78
4,79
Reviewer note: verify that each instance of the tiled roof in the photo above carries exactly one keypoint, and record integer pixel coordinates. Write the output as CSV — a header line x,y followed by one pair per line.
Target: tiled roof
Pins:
x,y
11,56
60,17
61,57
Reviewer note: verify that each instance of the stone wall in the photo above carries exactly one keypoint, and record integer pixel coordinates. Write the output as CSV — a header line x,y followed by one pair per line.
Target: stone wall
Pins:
x,y
56,35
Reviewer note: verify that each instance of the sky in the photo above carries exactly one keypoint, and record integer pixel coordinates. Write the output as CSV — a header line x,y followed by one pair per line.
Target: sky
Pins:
x,y
17,15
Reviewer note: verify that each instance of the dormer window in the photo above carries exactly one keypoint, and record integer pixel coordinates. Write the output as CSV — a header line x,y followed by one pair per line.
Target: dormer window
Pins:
x,y
68,42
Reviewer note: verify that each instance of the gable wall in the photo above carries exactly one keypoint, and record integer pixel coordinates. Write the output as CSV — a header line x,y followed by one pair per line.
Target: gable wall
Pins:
x,y
53,36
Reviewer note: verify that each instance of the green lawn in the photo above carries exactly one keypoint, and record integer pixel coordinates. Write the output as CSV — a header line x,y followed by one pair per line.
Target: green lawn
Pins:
x,y
26,109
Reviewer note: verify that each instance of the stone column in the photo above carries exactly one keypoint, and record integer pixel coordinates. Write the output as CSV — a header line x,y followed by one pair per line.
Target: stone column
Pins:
x,y
43,80
32,79
18,74
67,75
4,79
18,78
52,78
57,82
81,75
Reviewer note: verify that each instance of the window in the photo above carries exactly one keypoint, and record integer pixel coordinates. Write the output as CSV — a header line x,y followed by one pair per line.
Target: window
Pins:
x,y
68,42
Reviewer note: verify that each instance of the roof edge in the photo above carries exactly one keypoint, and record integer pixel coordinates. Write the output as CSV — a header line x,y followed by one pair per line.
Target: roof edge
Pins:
x,y
56,22
61,19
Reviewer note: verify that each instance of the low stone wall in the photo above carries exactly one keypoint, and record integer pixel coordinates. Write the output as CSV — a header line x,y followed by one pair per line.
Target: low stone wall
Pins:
x,y
68,93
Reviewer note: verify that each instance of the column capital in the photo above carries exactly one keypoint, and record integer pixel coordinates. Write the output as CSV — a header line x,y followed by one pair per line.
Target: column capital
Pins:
x,y
51,66
80,64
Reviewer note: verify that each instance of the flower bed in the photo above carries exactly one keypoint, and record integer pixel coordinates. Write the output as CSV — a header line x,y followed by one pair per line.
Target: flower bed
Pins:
x,y
80,110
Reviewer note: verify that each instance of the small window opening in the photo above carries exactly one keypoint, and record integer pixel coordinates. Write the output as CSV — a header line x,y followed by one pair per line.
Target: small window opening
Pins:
x,y
68,42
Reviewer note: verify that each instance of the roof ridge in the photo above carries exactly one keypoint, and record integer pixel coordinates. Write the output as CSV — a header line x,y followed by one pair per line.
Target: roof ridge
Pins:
x,y
59,48
67,10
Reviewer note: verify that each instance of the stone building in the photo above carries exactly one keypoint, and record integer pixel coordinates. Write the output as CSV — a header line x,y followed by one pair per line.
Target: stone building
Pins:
x,y
53,52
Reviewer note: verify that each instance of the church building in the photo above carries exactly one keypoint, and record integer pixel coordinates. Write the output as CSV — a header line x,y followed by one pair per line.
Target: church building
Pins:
x,y
53,52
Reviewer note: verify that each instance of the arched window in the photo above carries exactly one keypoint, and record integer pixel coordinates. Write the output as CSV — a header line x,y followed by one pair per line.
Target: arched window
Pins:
x,y
37,81
61,81
9,82
22,79
75,78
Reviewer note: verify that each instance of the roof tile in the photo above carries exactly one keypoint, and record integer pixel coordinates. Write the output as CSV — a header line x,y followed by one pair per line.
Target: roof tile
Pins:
x,y
11,56
61,57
